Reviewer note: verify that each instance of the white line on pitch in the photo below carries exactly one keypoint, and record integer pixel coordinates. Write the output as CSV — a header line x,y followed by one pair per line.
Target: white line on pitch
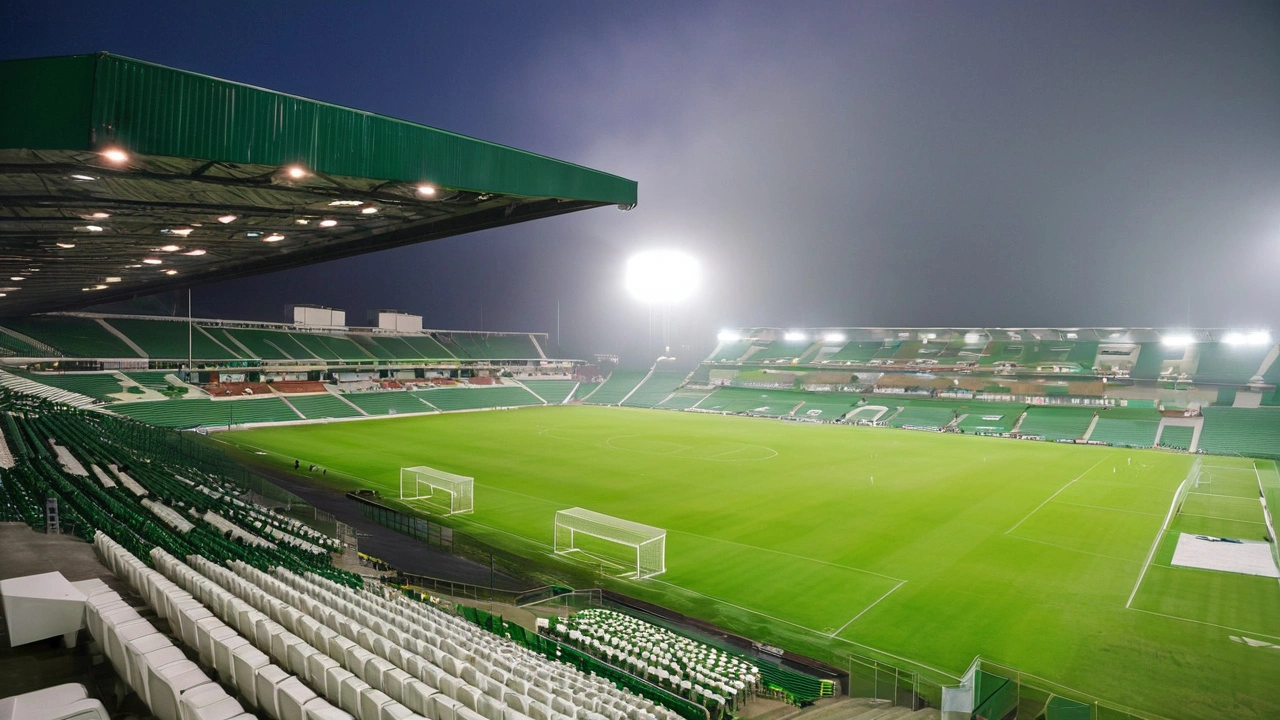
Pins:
x,y
865,609
786,554
1071,549
1103,507
775,618
1202,622
1064,487
1215,517
1155,544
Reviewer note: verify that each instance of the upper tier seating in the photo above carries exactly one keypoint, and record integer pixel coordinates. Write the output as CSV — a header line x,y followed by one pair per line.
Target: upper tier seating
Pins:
x,y
729,352
330,347
655,389
264,344
616,387
778,350
490,346
1223,363
167,340
73,336
856,352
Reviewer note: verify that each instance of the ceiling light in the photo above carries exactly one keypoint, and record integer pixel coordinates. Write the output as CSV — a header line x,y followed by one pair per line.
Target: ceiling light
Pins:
x,y
795,336
115,155
194,253
91,228
169,248
227,219
328,223
3,295
66,246
253,234
273,237
170,272
302,221
368,211
100,216
183,232
95,287
296,172
346,203
112,279
152,261
9,289
17,278
83,178
1177,340
1257,337
426,191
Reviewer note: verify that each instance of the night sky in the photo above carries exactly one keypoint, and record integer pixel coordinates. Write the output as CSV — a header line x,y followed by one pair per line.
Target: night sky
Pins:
x,y
885,163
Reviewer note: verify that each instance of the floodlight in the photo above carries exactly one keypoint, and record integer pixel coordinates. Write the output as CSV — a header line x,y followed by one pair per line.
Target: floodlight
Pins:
x,y
17,278
194,253
368,210
273,237
1177,340
83,178
170,272
295,172
834,337
93,228
328,223
426,191
662,277
115,155
227,219
100,216
112,279
1257,337
66,245
728,336
169,248
794,336
152,261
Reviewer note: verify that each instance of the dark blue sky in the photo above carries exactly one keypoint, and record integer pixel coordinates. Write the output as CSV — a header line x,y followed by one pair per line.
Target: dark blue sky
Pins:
x,y
923,163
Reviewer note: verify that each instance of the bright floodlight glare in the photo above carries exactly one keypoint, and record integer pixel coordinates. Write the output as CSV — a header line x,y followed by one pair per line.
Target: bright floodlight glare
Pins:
x,y
795,336
662,277
1177,340
728,336
834,337
1257,337
426,191
295,172
115,155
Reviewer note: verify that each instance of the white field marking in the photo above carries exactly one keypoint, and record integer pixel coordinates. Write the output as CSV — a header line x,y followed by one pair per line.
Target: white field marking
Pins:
x,y
1104,507
775,618
786,554
1215,517
1249,500
1202,622
1155,544
865,609
1071,549
1064,487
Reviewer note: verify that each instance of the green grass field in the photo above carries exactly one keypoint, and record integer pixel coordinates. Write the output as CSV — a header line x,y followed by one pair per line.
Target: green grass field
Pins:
x,y
924,547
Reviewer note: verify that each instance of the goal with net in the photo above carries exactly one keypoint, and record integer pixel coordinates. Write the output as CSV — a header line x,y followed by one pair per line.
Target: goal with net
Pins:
x,y
451,493
649,542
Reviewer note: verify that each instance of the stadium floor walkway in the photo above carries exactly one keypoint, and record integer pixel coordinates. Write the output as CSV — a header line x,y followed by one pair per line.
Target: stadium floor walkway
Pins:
x,y
400,551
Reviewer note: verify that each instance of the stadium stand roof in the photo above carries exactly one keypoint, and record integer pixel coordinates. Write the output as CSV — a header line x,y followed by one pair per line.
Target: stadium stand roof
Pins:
x,y
121,178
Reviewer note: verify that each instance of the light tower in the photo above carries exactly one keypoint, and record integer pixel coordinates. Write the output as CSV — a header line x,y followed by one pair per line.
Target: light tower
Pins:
x,y
661,279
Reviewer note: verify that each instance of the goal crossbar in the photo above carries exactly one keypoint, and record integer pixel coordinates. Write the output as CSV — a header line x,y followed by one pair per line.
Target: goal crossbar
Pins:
x,y
460,488
648,541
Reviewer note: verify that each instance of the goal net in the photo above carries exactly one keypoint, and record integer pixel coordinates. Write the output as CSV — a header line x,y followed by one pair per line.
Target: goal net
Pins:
x,y
649,542
449,492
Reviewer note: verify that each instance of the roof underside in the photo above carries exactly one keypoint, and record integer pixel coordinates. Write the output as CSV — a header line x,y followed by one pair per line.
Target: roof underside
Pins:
x,y
80,228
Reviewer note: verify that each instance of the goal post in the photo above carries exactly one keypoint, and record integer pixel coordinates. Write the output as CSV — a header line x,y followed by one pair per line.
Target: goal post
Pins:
x,y
422,483
649,542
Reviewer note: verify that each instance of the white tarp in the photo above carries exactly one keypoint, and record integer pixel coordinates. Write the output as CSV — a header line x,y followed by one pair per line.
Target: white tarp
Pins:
x,y
1247,557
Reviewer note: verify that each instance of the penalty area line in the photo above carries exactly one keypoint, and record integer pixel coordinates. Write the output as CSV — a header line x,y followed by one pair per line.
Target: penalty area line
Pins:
x,y
865,609
1056,494
1202,622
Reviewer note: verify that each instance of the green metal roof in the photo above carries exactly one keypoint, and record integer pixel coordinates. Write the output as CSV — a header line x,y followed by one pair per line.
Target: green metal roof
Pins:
x,y
86,102
202,194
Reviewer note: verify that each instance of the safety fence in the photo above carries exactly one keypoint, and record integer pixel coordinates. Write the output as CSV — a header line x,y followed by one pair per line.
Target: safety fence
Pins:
x,y
991,691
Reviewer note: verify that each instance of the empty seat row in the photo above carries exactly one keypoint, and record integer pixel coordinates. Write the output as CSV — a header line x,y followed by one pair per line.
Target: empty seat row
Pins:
x,y
60,702
237,662
316,674
533,684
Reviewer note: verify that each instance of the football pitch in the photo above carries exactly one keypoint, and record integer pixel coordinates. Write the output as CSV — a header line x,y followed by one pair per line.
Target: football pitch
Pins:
x,y
910,546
